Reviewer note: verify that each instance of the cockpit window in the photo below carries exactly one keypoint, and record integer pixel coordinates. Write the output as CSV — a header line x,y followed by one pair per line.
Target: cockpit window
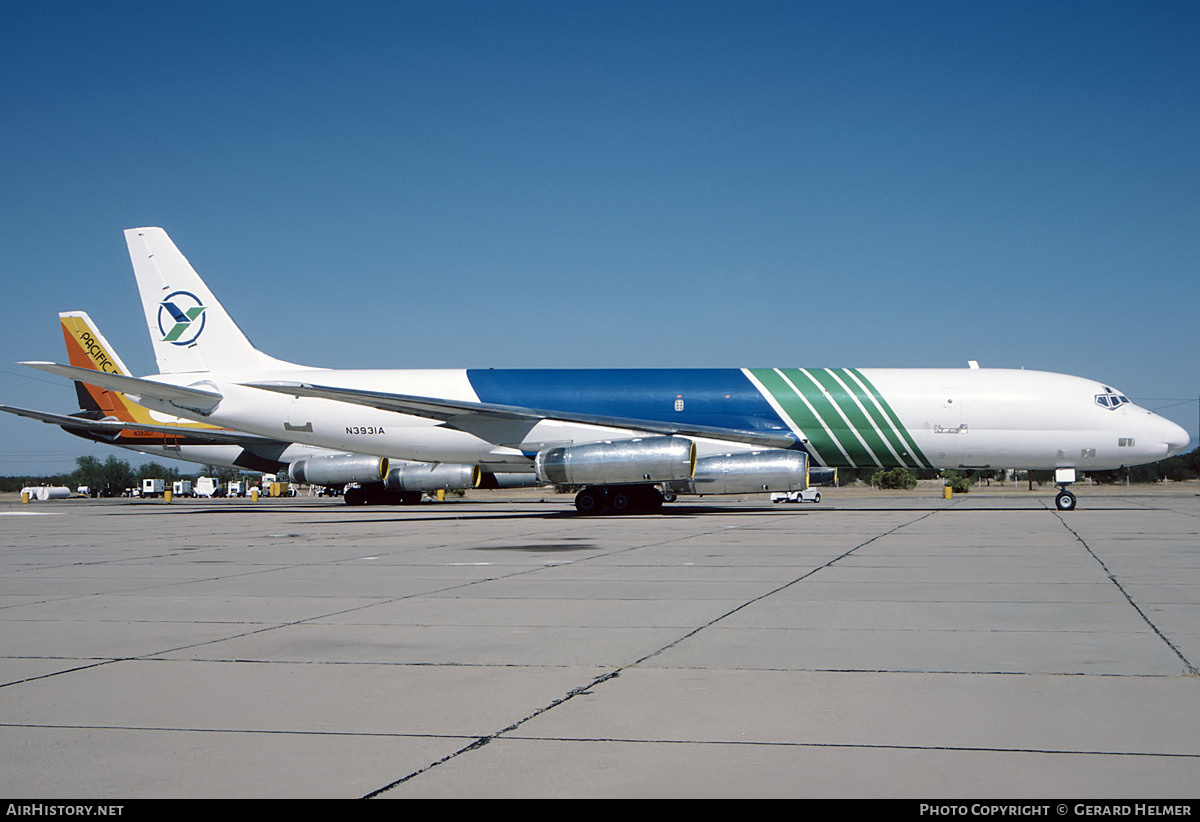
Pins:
x,y
1110,399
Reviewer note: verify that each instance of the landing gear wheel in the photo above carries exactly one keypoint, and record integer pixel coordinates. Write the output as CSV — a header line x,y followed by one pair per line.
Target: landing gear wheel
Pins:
x,y
635,499
623,501
1065,501
647,499
590,501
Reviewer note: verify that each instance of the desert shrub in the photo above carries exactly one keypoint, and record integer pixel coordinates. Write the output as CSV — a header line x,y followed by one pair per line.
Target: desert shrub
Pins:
x,y
899,479
958,483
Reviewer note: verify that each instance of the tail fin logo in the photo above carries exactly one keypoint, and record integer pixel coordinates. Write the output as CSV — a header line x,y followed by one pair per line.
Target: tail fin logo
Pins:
x,y
181,318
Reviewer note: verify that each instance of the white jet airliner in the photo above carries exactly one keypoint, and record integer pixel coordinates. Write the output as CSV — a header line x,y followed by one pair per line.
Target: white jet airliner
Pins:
x,y
629,435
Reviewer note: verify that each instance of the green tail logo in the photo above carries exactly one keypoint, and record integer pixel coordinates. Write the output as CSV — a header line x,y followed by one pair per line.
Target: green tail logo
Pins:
x,y
188,319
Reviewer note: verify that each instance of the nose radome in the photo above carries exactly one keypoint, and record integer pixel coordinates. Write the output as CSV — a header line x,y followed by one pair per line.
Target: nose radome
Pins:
x,y
1176,438
1160,430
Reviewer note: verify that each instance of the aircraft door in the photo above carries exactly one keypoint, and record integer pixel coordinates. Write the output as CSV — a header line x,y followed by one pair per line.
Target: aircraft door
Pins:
x,y
951,432
298,421
952,417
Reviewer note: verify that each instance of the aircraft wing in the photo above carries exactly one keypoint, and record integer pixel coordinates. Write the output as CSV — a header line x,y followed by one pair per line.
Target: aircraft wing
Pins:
x,y
191,399
487,419
213,436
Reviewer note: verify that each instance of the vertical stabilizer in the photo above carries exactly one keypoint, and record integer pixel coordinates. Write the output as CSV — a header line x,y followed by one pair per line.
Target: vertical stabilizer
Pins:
x,y
86,346
189,328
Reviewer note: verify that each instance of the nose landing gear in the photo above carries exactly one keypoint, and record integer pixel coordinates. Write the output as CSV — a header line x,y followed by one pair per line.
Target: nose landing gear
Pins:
x,y
1065,500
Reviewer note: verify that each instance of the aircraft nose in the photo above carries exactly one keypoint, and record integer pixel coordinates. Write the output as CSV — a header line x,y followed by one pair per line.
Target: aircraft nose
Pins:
x,y
1159,438
1176,438
1163,436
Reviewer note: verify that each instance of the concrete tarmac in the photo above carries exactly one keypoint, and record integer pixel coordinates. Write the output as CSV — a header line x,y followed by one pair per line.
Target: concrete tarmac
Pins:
x,y
874,645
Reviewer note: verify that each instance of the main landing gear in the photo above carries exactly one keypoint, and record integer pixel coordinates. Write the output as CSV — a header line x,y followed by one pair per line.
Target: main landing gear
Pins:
x,y
619,499
376,494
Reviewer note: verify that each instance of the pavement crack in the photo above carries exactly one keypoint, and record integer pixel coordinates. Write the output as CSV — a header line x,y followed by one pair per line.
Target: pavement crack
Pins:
x,y
484,740
779,588
585,689
1191,669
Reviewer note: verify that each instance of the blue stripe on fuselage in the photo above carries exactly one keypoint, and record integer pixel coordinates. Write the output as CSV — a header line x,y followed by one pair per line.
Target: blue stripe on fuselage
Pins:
x,y
722,398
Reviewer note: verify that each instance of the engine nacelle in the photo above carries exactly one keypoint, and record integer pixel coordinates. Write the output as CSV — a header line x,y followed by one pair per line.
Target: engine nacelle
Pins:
x,y
822,476
747,473
508,479
339,469
618,462
431,476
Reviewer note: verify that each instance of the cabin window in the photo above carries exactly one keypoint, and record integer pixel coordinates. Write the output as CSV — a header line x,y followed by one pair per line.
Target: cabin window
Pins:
x,y
1125,442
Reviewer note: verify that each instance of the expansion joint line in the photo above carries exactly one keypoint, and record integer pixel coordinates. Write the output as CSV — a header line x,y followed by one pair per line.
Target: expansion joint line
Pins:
x,y
613,674
1191,669
782,587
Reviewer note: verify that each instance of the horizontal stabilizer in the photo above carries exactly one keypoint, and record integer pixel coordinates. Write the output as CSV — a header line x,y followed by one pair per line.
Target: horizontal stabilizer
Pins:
x,y
215,436
191,399
470,413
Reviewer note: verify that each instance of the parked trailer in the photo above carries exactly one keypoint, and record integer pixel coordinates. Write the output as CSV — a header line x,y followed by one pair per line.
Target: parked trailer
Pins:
x,y
206,487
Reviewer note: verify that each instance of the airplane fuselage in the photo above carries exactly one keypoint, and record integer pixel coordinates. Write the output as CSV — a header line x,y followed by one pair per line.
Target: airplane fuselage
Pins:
x,y
848,418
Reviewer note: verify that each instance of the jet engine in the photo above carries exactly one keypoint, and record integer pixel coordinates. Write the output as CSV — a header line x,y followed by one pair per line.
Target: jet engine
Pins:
x,y
427,476
822,476
508,480
339,469
746,473
640,460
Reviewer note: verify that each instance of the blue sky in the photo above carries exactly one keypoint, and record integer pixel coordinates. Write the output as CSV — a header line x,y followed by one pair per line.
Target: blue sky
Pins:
x,y
612,184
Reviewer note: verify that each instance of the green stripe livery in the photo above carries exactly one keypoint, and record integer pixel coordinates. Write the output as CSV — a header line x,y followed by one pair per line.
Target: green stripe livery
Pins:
x,y
845,420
